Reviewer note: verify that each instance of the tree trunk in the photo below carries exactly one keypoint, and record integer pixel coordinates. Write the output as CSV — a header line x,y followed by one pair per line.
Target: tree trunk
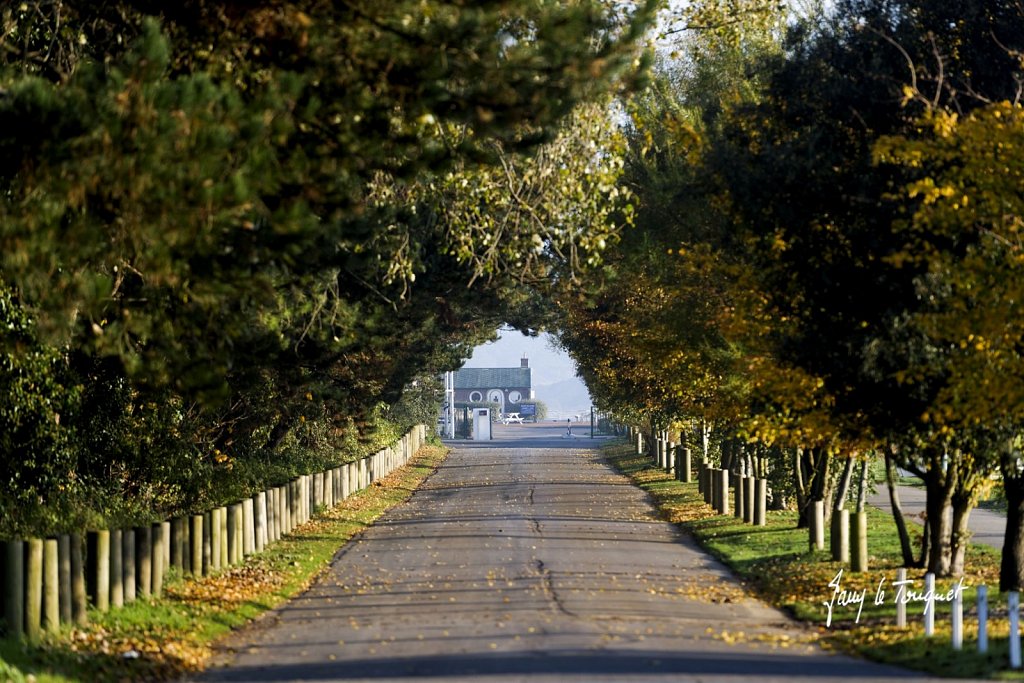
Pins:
x,y
961,536
940,523
862,486
801,488
1011,569
897,513
839,502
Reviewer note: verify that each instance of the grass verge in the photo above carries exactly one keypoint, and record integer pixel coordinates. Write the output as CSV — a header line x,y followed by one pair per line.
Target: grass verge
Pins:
x,y
160,639
775,562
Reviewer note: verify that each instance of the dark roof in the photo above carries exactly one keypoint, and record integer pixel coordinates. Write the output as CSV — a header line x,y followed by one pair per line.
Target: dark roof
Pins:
x,y
492,378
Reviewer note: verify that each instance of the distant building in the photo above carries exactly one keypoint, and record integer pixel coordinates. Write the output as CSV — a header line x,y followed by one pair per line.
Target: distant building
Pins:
x,y
505,386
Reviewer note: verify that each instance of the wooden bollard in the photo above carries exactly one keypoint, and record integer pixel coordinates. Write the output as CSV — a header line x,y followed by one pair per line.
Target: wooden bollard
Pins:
x,y
98,577
259,519
982,596
14,587
318,492
177,544
206,561
249,532
761,503
116,568
166,527
817,526
346,481
901,606
929,606
129,577
957,627
196,545
34,588
239,534
839,538
64,578
144,561
79,594
749,498
1013,604
51,585
214,539
741,492
232,535
859,542
686,470
273,512
724,486
670,458
157,559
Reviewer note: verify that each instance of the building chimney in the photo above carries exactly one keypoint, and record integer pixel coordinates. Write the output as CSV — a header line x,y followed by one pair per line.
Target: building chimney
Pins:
x,y
524,362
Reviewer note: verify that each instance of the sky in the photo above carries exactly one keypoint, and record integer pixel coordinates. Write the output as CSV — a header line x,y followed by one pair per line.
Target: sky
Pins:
x,y
554,374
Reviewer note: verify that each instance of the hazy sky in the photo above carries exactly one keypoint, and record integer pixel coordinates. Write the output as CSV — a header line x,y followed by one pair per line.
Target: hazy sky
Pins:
x,y
549,365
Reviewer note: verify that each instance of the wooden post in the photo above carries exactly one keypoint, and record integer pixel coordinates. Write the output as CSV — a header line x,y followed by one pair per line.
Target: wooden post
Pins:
x,y
929,607
670,459
178,544
214,539
741,500
982,607
1013,602
318,491
958,621
232,535
116,568
157,560
14,587
269,511
144,560
225,558
34,588
51,585
750,498
724,486
761,503
901,607
128,565
79,599
687,468
207,542
839,539
98,556
859,542
816,528
239,534
64,569
260,521
248,532
196,545
166,527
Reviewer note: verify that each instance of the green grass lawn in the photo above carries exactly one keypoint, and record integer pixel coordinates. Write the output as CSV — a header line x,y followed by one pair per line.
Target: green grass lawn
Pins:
x,y
161,639
775,562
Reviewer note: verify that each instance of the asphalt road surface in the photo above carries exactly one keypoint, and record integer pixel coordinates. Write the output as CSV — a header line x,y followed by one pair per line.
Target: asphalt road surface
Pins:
x,y
528,558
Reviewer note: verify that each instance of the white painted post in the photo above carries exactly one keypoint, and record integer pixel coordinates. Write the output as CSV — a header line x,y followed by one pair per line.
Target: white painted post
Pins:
x,y
1014,607
958,621
929,614
901,607
982,619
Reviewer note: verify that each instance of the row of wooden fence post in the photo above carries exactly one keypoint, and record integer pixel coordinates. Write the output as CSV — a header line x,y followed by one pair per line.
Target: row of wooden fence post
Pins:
x,y
49,582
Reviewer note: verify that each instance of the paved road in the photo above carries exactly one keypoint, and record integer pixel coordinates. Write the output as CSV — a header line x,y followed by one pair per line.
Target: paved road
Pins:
x,y
986,526
535,564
